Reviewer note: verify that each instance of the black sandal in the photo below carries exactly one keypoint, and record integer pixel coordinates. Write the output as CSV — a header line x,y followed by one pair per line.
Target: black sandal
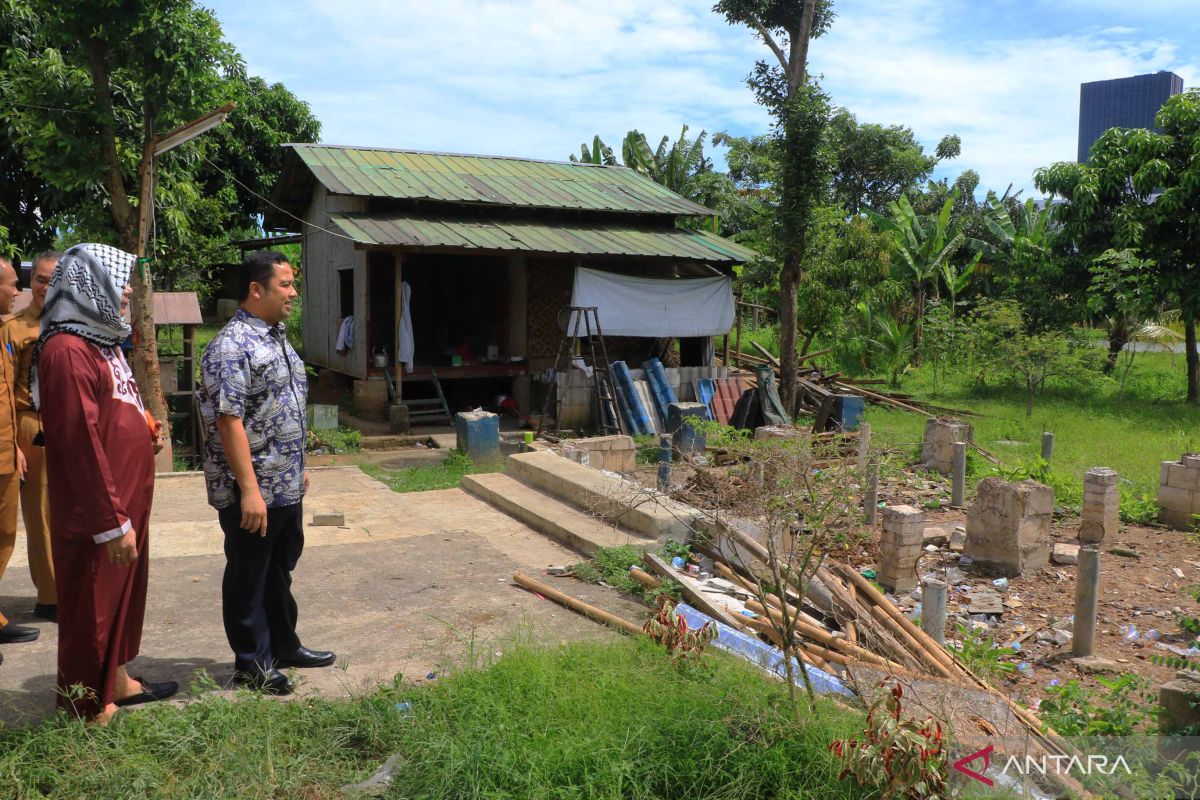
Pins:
x,y
151,693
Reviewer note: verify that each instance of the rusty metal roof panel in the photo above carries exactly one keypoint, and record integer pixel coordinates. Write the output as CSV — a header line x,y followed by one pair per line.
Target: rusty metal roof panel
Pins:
x,y
526,183
413,232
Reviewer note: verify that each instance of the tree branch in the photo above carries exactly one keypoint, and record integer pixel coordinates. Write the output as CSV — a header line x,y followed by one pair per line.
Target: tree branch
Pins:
x,y
799,56
770,42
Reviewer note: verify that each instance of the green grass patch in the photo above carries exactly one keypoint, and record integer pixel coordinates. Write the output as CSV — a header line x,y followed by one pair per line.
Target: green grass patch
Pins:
x,y
612,720
428,477
1092,427
342,440
611,565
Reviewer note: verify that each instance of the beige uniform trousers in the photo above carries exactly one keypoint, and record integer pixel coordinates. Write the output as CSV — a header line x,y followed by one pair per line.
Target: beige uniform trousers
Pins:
x,y
35,508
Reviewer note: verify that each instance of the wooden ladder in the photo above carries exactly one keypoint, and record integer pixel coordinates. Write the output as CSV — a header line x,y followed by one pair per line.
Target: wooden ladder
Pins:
x,y
433,409
581,325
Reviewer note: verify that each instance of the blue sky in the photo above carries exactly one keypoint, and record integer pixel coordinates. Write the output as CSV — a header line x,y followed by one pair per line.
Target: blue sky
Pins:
x,y
538,77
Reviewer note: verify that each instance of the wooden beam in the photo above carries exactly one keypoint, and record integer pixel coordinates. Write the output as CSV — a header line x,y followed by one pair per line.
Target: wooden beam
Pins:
x,y
693,596
396,319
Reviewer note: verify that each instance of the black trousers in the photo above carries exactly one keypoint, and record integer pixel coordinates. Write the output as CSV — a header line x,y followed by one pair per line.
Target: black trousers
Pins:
x,y
256,593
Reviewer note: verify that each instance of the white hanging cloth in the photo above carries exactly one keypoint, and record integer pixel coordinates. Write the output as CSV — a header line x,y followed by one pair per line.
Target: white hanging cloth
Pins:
x,y
406,348
345,337
632,306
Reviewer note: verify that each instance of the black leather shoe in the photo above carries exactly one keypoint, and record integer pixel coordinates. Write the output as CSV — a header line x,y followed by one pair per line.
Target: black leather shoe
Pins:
x,y
305,658
46,611
11,634
270,682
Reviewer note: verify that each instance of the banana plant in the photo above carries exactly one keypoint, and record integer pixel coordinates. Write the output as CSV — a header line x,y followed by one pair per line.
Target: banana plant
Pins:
x,y
956,280
922,245
599,153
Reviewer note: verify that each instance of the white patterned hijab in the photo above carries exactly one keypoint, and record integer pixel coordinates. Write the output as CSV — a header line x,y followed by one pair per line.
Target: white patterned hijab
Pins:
x,y
84,298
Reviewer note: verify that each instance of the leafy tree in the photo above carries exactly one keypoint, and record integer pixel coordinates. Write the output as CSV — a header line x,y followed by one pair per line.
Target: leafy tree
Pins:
x,y
894,344
875,164
131,68
801,112
1140,190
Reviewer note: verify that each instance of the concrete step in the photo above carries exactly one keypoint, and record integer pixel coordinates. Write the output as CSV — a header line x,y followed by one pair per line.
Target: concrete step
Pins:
x,y
581,532
605,495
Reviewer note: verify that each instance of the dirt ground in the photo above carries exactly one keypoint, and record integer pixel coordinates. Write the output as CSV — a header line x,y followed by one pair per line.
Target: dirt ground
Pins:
x,y
1148,593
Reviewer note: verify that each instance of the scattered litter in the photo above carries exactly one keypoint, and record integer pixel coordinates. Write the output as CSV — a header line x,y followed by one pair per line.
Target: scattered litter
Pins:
x,y
1025,668
1131,635
404,708
955,575
431,676
1178,572
869,574
557,572
966,561
1000,583
1189,652
677,562
1124,552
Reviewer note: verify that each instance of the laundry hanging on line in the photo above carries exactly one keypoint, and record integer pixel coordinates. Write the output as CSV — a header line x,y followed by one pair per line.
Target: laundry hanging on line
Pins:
x,y
405,347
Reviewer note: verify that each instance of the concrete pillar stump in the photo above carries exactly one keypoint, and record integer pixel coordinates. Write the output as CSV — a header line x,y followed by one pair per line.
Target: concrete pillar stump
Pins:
x,y
1179,492
1008,526
937,445
1101,506
900,547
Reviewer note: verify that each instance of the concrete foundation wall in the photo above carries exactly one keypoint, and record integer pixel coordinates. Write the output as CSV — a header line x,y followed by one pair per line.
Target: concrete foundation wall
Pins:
x,y
1179,492
937,445
612,453
1008,526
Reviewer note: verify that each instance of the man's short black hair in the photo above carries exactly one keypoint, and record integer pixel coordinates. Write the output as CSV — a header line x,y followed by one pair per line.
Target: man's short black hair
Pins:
x,y
259,267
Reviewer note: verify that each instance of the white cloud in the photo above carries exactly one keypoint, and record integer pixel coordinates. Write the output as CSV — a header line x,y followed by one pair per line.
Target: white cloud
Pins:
x,y
537,77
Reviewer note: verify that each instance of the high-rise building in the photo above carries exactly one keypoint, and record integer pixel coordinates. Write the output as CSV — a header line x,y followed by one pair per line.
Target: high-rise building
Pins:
x,y
1122,103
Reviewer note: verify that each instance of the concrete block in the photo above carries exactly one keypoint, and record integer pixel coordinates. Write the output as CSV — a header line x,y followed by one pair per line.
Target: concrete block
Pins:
x,y
1171,499
1190,460
1179,704
398,419
1008,526
686,436
1180,477
371,398
322,417
895,517
478,435
1164,470
335,519
1100,476
1065,553
936,536
937,444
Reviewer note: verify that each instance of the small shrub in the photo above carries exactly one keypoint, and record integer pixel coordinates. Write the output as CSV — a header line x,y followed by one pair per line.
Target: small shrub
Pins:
x,y
982,656
1126,705
672,632
342,440
903,757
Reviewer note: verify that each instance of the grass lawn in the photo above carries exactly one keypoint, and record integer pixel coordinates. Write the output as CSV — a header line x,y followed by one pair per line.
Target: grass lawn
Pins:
x,y
1091,428
428,477
612,720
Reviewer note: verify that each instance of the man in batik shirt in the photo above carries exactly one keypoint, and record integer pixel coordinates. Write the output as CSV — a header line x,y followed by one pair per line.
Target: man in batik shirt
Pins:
x,y
252,398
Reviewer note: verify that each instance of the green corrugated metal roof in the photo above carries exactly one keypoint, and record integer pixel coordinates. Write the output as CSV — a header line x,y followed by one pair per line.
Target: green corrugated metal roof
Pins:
x,y
493,180
581,239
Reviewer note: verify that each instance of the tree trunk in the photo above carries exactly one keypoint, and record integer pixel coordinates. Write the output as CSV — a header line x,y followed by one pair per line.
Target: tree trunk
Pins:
x,y
1118,337
133,231
789,280
1193,359
1030,389
919,336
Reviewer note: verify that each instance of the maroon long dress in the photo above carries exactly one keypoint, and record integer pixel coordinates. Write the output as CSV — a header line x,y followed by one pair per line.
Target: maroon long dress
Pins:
x,y
100,470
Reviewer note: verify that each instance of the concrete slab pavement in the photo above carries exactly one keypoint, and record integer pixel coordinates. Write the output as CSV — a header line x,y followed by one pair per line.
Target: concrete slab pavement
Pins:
x,y
412,583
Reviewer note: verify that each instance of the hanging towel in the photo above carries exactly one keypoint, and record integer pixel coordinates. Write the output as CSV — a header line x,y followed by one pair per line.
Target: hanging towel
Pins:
x,y
345,337
406,348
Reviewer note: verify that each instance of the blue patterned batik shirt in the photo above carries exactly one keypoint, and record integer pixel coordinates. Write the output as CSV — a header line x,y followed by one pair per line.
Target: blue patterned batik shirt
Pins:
x,y
250,371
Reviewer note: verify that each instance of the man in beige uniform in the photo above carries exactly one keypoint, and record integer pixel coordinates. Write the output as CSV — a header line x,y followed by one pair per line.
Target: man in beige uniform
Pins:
x,y
18,336
12,461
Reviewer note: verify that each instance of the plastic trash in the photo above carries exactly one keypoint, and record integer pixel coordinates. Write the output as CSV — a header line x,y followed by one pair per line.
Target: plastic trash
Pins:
x,y
1131,635
1025,668
1000,583
966,561
431,676
677,562
1152,635
869,574
1015,646
745,612
404,708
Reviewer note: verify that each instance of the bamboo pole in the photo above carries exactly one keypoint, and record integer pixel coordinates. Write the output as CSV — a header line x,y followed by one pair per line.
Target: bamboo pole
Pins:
x,y
598,614
645,578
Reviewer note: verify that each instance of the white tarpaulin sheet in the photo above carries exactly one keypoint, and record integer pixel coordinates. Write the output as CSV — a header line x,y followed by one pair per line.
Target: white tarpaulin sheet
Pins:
x,y
658,307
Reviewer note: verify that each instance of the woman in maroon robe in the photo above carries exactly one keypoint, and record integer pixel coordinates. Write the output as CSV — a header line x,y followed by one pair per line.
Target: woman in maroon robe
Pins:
x,y
100,470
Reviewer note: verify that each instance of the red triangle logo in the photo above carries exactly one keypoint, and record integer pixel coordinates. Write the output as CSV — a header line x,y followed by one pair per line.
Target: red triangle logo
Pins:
x,y
986,755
